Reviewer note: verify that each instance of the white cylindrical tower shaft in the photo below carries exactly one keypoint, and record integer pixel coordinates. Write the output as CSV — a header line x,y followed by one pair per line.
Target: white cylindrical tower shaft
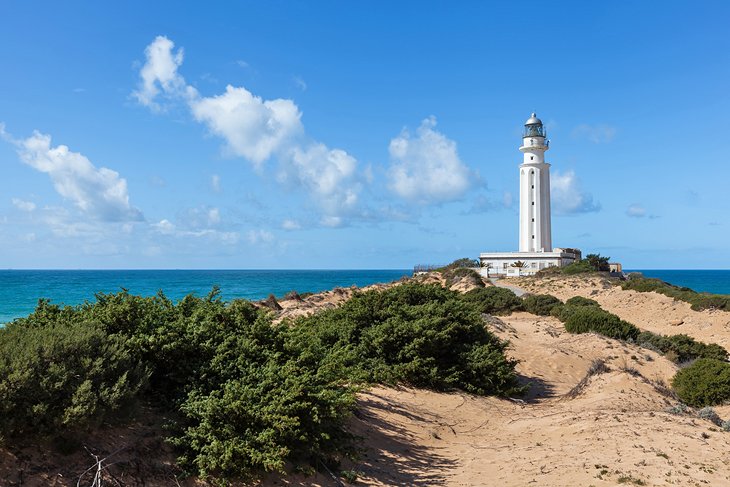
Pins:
x,y
535,225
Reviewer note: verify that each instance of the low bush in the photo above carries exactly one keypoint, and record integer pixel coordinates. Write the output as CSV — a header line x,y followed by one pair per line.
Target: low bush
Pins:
x,y
493,300
586,319
581,301
680,348
698,301
422,335
64,377
579,267
540,304
706,382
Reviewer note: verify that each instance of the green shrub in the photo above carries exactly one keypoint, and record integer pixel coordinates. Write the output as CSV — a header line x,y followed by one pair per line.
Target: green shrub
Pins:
x,y
64,376
581,301
586,319
245,396
453,274
418,334
493,300
704,383
698,301
256,405
681,348
578,267
540,304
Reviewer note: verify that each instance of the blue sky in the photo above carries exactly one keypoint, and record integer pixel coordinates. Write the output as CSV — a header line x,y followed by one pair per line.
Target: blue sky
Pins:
x,y
357,134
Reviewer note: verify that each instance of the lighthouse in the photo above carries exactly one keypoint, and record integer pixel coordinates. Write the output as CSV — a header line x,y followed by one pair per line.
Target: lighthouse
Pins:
x,y
535,228
536,250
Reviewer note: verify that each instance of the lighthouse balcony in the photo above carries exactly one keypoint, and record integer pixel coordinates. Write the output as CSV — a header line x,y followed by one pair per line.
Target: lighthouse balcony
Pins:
x,y
535,144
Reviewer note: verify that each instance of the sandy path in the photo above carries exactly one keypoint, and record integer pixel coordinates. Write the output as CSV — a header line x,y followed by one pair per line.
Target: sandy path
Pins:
x,y
615,431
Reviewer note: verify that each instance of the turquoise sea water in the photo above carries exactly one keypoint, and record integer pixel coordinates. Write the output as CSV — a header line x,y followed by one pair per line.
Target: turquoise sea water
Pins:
x,y
707,281
21,289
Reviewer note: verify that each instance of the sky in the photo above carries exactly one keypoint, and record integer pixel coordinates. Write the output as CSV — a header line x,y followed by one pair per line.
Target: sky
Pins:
x,y
324,135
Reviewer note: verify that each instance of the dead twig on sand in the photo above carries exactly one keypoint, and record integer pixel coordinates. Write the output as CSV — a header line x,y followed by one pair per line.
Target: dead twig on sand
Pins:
x,y
98,469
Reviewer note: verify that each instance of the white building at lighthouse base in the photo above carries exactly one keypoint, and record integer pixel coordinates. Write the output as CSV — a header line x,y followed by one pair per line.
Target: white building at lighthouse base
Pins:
x,y
503,263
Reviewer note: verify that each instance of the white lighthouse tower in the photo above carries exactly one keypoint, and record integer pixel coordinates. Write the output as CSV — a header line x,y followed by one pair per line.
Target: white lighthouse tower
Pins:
x,y
535,228
536,242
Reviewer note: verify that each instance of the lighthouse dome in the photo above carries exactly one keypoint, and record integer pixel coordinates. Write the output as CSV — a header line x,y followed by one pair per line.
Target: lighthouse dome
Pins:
x,y
534,127
533,120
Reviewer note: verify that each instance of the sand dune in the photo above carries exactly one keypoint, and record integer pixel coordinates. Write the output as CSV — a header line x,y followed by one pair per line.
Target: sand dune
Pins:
x,y
574,428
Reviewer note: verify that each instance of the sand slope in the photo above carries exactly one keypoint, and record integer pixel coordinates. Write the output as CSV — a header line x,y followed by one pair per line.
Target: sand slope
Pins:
x,y
613,430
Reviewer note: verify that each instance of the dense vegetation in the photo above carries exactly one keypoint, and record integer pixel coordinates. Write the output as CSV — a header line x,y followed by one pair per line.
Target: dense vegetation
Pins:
x,y
680,348
245,396
67,375
493,300
699,301
540,304
585,319
591,263
705,382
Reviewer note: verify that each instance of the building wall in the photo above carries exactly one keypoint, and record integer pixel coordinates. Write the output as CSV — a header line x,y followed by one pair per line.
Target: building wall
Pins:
x,y
535,222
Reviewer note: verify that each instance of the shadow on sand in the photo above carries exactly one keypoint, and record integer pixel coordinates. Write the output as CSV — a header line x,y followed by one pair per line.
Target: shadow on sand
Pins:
x,y
391,455
538,389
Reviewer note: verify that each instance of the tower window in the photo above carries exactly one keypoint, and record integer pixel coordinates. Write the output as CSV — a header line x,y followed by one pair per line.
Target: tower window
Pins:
x,y
531,158
533,236
533,186
533,219
533,203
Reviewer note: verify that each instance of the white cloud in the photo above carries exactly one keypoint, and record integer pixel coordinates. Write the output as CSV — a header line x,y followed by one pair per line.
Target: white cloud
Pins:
x,y
252,128
567,196
636,211
215,183
242,64
598,134
98,192
259,237
165,227
257,130
290,225
328,174
159,73
23,205
426,168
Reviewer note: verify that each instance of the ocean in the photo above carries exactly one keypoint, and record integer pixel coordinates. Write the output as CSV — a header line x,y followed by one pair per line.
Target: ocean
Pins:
x,y
704,281
21,289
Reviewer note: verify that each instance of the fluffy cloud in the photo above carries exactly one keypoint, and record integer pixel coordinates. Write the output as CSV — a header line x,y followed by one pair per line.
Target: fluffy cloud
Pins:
x,y
636,211
330,174
252,127
257,130
98,192
159,74
567,196
426,168
598,134
23,205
